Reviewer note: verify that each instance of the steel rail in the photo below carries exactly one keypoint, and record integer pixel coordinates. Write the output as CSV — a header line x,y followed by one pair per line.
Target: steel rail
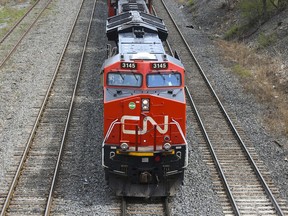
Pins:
x,y
17,23
218,166
243,146
123,206
37,121
50,197
23,35
164,201
167,210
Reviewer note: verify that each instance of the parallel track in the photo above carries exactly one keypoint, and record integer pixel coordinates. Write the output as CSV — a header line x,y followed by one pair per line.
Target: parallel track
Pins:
x,y
32,187
246,189
15,35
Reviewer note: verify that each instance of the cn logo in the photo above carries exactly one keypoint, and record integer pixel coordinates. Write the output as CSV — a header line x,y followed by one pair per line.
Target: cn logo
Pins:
x,y
145,122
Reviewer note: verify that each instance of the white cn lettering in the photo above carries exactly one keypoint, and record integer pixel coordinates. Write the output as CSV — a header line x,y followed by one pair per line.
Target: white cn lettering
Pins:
x,y
145,122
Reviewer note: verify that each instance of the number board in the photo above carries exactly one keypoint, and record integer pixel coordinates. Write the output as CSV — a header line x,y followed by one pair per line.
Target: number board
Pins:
x,y
128,65
159,65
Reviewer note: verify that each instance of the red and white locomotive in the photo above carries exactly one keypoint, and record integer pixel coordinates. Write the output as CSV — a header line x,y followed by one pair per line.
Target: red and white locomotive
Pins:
x,y
144,151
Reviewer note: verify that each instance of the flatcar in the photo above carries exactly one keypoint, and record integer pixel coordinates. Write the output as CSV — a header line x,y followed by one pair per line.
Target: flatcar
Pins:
x,y
144,151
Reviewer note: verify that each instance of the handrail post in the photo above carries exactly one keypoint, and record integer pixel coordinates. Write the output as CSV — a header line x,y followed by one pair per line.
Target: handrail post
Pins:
x,y
136,142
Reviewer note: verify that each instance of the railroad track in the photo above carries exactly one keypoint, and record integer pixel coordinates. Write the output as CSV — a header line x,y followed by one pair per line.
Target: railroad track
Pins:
x,y
12,39
138,206
33,183
242,188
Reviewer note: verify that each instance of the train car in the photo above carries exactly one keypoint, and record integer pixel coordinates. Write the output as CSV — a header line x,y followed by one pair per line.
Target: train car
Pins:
x,y
128,5
144,152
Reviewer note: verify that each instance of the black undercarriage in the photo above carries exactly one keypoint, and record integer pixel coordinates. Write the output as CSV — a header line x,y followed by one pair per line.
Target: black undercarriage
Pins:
x,y
144,174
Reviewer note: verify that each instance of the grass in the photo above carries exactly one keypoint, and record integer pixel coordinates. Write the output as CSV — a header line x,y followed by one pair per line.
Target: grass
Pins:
x,y
253,15
190,2
253,10
9,16
236,31
259,75
266,40
232,32
241,71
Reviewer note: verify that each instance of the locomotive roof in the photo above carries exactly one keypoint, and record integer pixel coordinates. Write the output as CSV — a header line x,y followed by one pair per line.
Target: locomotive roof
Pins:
x,y
133,21
149,43
141,56
129,5
139,36
148,47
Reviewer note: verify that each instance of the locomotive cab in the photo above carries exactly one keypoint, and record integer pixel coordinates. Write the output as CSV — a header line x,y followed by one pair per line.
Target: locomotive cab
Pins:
x,y
144,125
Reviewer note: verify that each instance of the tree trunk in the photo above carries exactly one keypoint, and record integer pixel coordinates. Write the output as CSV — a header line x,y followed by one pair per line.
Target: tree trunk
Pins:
x,y
264,12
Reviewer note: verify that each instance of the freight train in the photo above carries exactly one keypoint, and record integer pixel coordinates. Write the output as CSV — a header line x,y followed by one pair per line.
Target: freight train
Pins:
x,y
144,151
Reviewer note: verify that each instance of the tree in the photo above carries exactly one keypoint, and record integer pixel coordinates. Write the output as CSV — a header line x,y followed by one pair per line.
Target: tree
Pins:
x,y
282,4
230,3
260,10
279,4
264,15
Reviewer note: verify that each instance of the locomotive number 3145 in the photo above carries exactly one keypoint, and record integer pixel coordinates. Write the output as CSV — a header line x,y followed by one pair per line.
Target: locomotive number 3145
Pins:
x,y
128,65
160,65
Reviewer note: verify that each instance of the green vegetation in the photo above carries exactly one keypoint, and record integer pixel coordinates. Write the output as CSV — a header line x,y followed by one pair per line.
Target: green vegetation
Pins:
x,y
254,14
238,69
190,2
232,32
266,40
258,74
256,10
9,16
236,31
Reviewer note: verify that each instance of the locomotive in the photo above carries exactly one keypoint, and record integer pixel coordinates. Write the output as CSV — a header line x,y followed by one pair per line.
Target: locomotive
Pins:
x,y
144,151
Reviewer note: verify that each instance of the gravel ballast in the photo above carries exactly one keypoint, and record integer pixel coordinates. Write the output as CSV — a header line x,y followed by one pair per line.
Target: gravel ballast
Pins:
x,y
248,112
81,189
25,78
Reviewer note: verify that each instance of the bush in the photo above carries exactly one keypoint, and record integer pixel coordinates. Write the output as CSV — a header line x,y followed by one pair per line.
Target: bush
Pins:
x,y
232,32
266,40
238,69
190,2
282,4
254,10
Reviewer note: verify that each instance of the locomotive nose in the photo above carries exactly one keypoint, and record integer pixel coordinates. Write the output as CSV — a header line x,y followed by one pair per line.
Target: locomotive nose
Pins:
x,y
145,177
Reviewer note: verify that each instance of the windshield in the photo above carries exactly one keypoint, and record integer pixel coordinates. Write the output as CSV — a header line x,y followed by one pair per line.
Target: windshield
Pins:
x,y
124,79
164,79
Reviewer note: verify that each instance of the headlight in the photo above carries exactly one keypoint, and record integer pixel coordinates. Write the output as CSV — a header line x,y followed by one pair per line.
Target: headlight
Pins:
x,y
167,146
124,146
145,104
